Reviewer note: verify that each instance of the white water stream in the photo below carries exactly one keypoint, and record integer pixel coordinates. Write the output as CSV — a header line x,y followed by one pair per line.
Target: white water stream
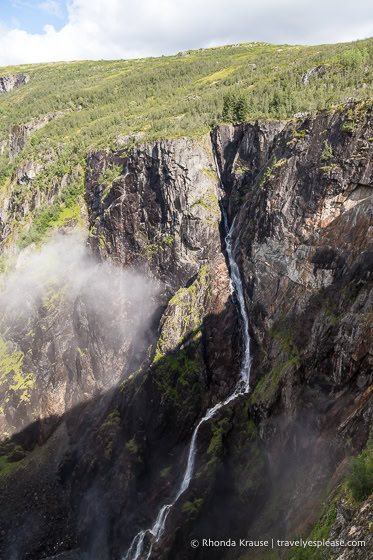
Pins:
x,y
142,545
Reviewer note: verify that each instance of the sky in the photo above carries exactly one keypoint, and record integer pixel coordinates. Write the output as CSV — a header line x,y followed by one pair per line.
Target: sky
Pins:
x,y
56,30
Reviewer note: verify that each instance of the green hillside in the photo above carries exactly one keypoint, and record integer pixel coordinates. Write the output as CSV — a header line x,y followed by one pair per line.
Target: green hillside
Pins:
x,y
181,95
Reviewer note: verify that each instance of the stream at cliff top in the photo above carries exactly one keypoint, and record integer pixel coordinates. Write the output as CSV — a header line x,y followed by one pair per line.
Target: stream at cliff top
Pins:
x,y
142,544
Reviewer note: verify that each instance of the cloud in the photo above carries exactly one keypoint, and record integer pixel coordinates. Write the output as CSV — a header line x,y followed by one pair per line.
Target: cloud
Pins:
x,y
51,7
111,29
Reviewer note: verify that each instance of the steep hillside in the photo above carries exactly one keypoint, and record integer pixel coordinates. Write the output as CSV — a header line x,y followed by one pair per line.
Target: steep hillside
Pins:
x,y
128,428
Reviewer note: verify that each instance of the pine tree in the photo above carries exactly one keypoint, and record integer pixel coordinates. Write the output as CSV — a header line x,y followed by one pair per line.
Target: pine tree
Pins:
x,y
228,107
241,108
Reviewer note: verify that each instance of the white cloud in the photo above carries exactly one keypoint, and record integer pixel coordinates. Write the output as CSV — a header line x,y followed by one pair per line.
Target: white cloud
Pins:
x,y
125,29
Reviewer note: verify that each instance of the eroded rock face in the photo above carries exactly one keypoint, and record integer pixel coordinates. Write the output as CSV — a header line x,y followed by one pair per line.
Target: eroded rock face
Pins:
x,y
354,524
3,147
243,150
12,81
18,134
161,213
62,343
304,236
27,172
304,243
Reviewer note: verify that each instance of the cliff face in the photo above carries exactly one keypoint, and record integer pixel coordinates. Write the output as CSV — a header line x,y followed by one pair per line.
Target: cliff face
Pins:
x,y
18,134
304,244
12,81
161,213
159,216
299,194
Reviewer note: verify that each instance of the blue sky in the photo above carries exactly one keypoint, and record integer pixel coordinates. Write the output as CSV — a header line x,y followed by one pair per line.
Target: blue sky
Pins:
x,y
33,15
56,30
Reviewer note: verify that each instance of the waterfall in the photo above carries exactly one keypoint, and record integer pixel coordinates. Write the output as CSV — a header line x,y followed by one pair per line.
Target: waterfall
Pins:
x,y
238,290
142,544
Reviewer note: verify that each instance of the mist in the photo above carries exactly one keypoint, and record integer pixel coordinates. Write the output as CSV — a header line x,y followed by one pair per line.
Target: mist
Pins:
x,y
70,326
66,264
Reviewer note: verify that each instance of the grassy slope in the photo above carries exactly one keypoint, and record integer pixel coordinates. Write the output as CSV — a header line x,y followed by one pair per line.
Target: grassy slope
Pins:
x,y
171,96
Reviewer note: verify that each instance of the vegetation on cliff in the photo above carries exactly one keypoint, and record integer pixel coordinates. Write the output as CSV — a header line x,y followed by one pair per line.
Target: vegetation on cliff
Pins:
x,y
360,478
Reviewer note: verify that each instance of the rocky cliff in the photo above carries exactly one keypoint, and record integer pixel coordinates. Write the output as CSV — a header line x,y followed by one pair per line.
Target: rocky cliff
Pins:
x,y
12,81
18,134
299,196
160,213
304,242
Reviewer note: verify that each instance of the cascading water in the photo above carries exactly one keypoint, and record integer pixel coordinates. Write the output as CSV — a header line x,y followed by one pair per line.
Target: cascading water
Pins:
x,y
142,544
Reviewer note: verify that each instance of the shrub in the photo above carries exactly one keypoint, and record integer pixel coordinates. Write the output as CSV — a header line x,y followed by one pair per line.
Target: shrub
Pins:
x,y
327,152
360,478
353,58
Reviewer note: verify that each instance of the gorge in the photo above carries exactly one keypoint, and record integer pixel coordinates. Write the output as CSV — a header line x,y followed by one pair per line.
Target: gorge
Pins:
x,y
196,362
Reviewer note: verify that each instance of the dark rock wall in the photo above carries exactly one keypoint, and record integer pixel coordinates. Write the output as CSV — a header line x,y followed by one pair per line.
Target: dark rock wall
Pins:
x,y
304,244
161,213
